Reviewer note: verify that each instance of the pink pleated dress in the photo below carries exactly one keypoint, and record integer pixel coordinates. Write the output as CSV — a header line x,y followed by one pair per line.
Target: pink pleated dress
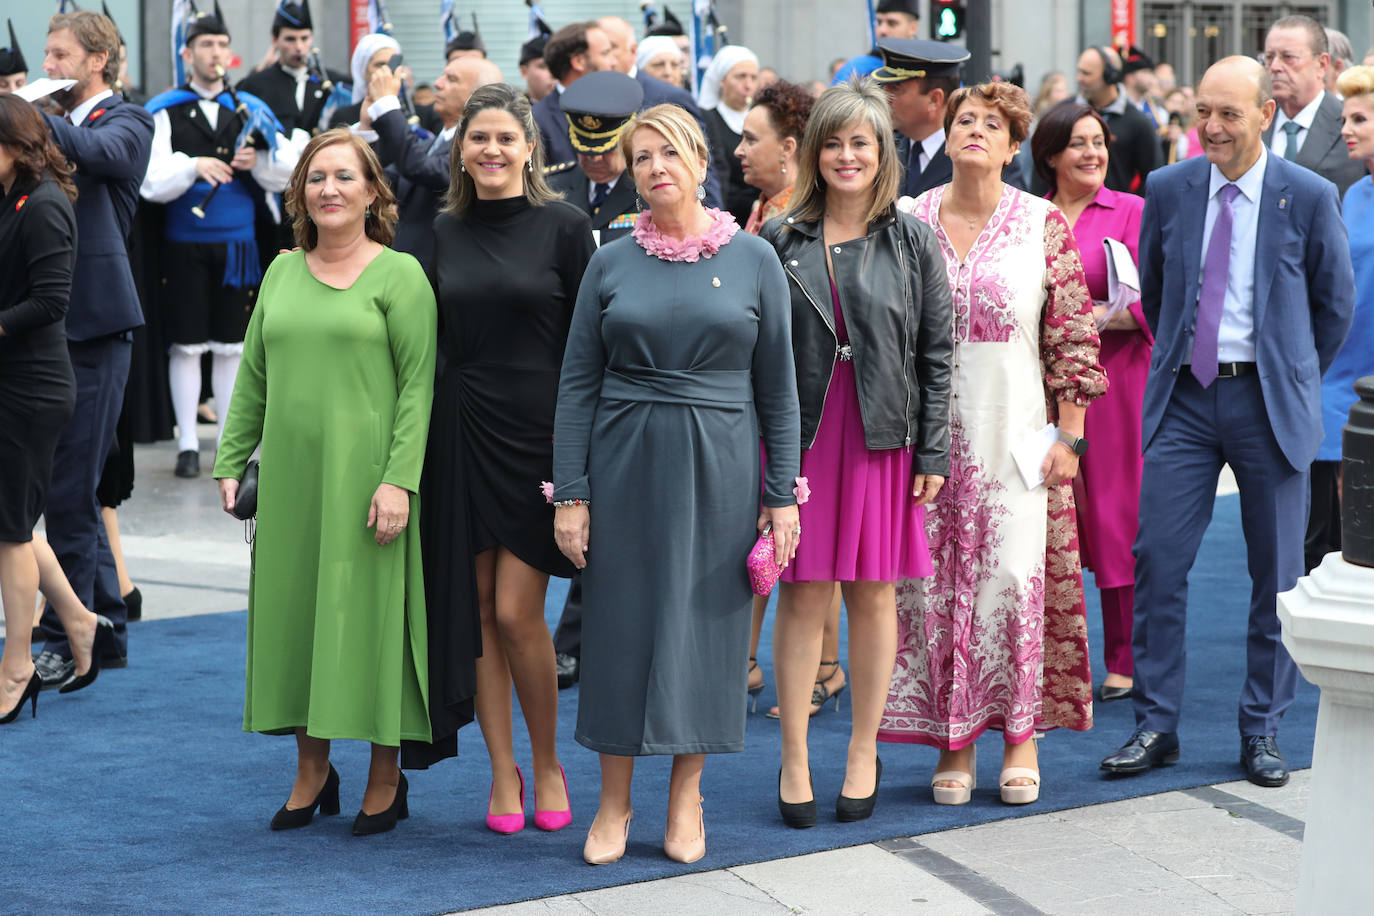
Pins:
x,y
861,523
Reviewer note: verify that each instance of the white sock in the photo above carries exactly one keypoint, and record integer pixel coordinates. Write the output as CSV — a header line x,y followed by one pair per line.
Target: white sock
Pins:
x,y
183,374
222,373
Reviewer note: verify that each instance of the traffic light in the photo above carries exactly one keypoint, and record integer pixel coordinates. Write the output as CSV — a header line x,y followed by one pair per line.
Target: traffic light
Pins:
x,y
947,19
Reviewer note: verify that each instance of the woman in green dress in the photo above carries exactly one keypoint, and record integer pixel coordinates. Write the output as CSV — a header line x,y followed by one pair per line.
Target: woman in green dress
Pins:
x,y
335,384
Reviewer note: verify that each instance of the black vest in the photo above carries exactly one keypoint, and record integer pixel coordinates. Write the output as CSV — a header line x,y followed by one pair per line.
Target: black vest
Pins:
x,y
191,133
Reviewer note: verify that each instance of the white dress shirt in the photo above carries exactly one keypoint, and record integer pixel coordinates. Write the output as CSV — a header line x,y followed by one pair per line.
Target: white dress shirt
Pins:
x,y
930,146
1278,144
1236,335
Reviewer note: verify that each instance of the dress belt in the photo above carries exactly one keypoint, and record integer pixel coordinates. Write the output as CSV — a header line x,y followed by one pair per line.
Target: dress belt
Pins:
x,y
706,387
1230,370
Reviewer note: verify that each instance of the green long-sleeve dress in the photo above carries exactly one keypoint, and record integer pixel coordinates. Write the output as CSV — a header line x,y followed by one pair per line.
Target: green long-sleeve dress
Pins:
x,y
337,384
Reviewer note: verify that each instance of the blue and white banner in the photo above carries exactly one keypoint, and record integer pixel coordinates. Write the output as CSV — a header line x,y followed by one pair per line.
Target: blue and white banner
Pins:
x,y
182,13
448,20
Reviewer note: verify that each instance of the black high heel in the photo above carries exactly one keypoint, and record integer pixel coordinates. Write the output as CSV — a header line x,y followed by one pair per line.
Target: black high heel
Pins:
x,y
327,801
756,689
857,809
797,814
104,637
35,686
382,821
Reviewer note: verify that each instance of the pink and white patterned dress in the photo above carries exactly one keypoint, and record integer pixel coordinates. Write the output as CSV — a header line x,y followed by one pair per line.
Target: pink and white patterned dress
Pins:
x,y
997,638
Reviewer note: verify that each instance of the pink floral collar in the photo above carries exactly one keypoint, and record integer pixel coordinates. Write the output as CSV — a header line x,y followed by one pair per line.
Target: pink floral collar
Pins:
x,y
723,228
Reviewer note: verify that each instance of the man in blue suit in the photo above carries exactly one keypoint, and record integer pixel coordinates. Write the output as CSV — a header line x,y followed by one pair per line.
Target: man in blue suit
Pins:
x,y
1246,282
108,140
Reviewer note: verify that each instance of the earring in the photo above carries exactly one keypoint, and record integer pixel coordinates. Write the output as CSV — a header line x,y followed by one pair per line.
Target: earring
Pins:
x,y
639,203
367,214
462,166
784,165
701,192
529,166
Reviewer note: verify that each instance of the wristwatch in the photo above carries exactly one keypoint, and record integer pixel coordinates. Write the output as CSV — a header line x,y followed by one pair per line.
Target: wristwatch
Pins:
x,y
1078,444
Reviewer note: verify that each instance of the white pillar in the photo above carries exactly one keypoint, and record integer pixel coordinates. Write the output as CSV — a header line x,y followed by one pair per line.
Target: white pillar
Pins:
x,y
1328,627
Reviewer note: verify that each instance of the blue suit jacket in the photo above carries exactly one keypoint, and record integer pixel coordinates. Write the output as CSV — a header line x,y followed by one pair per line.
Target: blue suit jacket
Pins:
x,y
110,150
1304,291
553,126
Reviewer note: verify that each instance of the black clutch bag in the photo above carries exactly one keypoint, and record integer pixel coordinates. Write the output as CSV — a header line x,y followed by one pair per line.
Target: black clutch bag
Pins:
x,y
246,501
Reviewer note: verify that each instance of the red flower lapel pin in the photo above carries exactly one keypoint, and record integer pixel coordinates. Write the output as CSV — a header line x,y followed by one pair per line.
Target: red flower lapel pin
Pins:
x,y
95,114
18,205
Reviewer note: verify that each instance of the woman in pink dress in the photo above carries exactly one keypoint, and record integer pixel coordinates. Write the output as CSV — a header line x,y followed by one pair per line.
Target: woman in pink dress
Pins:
x,y
1070,152
997,638
870,336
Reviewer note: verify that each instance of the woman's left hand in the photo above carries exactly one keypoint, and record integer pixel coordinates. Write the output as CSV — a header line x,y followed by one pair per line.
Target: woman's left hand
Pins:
x,y
925,487
389,512
1060,464
786,522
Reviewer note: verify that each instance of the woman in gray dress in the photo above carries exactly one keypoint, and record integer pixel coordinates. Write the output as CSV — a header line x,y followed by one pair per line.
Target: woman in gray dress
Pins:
x,y
678,358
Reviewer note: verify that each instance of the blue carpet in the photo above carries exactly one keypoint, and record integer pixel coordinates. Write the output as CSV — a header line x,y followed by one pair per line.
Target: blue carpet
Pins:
x,y
143,794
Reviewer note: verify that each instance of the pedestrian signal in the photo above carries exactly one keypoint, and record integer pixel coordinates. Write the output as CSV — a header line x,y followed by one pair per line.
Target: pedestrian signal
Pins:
x,y
947,19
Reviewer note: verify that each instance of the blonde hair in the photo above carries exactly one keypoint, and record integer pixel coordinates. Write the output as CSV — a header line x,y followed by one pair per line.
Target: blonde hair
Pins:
x,y
503,97
1356,81
678,127
380,227
857,101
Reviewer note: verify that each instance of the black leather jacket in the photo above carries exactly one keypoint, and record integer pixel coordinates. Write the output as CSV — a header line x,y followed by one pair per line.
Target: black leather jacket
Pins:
x,y
896,303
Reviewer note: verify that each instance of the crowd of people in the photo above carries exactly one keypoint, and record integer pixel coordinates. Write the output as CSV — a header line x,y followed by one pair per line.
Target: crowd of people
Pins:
x,y
464,329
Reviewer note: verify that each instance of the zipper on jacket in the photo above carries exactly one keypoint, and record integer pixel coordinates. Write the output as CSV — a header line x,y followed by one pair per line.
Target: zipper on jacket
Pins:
x,y
831,377
906,333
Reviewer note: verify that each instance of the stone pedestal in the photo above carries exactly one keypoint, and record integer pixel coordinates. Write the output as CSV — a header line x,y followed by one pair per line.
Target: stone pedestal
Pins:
x,y
1328,627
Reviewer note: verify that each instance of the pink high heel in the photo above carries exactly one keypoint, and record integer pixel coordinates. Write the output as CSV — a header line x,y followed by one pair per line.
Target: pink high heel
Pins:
x,y
508,823
554,820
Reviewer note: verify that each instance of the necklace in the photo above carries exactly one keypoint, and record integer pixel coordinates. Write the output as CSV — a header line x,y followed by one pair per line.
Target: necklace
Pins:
x,y
972,221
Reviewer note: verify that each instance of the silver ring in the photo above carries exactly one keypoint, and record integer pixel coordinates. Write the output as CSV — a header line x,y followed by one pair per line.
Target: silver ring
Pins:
x,y
796,532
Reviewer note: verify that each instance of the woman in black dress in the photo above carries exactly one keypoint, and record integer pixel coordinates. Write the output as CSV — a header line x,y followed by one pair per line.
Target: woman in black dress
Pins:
x,y
510,258
37,389
727,88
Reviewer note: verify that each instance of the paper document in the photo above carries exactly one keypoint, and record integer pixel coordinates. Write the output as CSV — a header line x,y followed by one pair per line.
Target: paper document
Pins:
x,y
1030,453
34,91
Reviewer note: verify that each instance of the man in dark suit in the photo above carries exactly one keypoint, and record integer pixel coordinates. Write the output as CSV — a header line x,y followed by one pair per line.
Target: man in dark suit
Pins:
x,y
595,110
1307,124
108,140
1307,130
919,77
584,47
1135,145
1249,297
296,95
419,169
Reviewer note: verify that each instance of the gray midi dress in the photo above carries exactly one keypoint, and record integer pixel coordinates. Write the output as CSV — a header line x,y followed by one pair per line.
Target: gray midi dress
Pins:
x,y
672,372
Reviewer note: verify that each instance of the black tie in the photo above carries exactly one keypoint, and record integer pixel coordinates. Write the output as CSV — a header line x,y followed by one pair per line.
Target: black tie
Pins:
x,y
599,195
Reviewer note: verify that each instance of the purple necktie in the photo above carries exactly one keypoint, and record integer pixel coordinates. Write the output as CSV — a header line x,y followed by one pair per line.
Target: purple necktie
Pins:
x,y
1213,294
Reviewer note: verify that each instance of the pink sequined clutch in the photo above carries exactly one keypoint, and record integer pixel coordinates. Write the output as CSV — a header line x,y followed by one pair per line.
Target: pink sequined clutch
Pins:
x,y
764,570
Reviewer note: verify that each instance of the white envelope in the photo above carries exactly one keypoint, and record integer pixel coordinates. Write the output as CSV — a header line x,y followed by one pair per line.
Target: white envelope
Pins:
x,y
1030,453
34,91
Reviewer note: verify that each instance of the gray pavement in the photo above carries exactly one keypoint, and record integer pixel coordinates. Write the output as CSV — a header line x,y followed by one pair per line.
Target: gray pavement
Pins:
x,y
1233,848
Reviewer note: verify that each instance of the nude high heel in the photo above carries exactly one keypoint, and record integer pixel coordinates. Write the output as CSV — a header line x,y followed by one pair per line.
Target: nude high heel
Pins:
x,y
967,782
1021,795
692,850
594,853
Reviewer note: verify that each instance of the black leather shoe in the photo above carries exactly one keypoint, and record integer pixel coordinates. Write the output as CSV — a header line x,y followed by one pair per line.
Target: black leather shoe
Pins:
x,y
569,668
53,669
327,801
797,814
1144,751
188,463
134,603
1264,765
382,821
1105,694
857,809
104,640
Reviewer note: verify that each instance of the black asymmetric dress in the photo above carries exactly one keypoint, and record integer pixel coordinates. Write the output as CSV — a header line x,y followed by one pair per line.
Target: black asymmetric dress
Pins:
x,y
506,276
37,389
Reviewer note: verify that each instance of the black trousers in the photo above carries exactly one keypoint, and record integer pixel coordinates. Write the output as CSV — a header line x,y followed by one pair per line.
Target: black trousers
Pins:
x,y
1324,516
567,639
74,526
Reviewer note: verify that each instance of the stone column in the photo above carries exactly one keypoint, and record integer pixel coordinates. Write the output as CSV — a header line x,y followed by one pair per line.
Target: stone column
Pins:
x,y
1328,626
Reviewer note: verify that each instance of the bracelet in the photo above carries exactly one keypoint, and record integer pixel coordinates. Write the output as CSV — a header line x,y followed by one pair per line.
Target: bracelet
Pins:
x,y
564,503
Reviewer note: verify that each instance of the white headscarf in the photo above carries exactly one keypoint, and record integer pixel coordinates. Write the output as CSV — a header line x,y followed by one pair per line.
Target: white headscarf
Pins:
x,y
726,59
368,45
652,47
